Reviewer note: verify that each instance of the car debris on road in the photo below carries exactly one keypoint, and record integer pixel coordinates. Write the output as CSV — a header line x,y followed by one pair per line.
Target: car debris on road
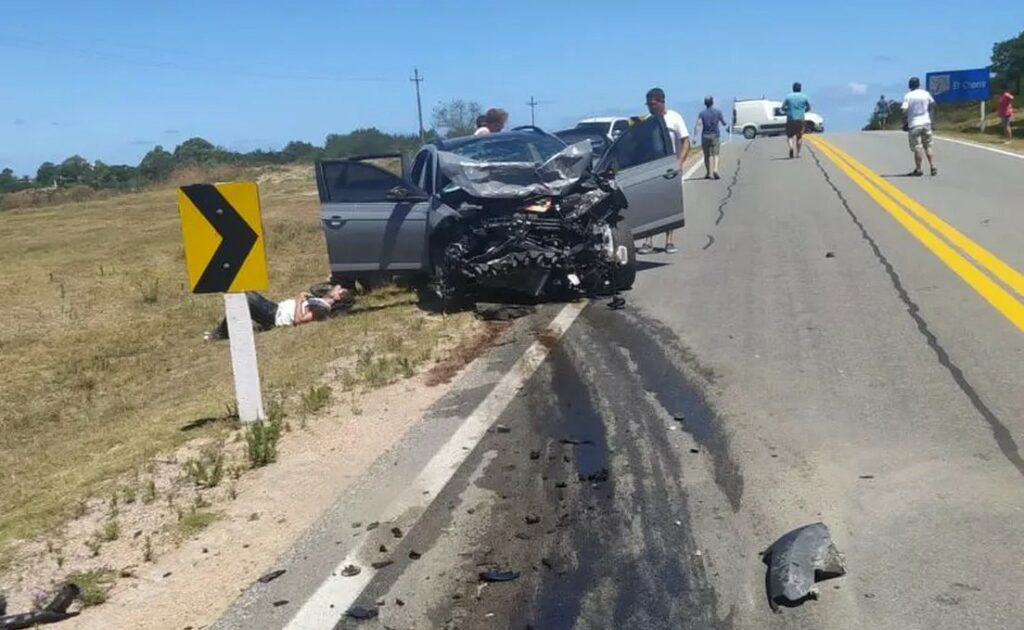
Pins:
x,y
797,560
56,610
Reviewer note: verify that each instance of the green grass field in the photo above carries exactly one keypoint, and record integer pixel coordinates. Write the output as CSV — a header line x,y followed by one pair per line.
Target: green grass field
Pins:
x,y
104,361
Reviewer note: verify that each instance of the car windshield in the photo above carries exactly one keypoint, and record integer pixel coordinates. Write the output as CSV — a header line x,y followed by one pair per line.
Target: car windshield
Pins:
x,y
536,148
593,127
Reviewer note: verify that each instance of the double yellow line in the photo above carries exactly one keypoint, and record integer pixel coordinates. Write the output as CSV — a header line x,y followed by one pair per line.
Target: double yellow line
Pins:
x,y
963,256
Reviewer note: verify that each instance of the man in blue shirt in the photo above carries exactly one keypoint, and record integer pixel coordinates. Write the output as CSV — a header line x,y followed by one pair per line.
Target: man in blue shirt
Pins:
x,y
795,107
711,141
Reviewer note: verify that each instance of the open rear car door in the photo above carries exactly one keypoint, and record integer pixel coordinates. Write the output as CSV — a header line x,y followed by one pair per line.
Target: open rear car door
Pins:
x,y
648,173
374,219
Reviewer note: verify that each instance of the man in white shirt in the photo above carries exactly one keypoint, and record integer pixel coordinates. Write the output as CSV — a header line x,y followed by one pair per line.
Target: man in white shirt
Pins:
x,y
681,142
918,109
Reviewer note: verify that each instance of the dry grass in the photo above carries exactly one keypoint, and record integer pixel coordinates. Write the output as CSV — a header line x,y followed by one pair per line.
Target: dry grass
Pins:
x,y
104,359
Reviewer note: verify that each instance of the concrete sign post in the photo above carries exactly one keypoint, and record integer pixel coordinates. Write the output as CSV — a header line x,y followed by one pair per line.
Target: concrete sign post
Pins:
x,y
957,86
222,233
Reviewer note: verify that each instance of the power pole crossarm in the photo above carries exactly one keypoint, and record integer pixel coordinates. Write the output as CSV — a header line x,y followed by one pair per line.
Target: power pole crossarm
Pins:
x,y
417,79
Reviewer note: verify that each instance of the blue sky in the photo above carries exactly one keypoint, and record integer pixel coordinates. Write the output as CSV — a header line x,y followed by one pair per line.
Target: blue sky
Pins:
x,y
108,80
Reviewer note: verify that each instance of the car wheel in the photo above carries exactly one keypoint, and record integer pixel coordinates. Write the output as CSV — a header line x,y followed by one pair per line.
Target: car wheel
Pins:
x,y
809,126
749,132
624,275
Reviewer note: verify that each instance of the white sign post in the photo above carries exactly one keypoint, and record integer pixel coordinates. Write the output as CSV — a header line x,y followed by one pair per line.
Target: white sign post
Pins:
x,y
243,358
983,117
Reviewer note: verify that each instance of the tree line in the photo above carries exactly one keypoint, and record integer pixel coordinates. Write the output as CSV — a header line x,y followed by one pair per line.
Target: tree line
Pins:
x,y
452,118
1007,68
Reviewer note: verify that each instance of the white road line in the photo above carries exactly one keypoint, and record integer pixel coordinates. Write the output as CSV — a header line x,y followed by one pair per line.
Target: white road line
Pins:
x,y
693,169
966,143
337,593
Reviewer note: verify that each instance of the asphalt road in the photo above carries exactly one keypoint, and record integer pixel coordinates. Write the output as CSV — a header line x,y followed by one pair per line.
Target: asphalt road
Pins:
x,y
808,355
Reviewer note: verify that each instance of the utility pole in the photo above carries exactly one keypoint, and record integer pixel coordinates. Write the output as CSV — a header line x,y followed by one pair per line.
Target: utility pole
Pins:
x,y
417,79
533,105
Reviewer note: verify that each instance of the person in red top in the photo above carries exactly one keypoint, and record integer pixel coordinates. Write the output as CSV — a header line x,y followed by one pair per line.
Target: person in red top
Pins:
x,y
1006,114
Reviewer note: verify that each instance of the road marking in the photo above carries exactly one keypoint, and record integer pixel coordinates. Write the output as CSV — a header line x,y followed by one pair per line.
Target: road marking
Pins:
x,y
997,296
326,607
966,143
1010,276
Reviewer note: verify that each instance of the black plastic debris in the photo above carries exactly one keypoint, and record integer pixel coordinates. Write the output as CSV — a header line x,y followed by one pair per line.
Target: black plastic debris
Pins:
x,y
830,255
414,555
576,442
382,549
599,476
502,312
532,519
372,526
280,602
351,571
498,576
362,612
396,532
534,454
380,564
56,610
399,602
270,577
799,559
502,428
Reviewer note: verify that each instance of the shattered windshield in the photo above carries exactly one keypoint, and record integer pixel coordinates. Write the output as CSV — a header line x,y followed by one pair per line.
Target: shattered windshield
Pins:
x,y
535,148
499,174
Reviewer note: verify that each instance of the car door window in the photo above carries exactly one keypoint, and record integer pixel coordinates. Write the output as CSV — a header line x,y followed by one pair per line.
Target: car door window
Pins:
x,y
419,167
349,181
642,143
620,127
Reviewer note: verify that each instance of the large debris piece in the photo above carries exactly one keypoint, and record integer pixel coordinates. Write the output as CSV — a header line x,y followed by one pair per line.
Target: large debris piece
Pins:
x,y
799,559
56,610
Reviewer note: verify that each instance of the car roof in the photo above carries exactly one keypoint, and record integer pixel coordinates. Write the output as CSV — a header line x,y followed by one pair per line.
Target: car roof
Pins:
x,y
602,119
447,144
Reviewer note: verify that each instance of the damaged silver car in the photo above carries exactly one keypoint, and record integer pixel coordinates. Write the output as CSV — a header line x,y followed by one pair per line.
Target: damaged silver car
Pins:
x,y
519,211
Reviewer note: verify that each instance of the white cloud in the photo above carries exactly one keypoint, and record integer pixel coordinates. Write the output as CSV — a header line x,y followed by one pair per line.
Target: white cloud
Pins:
x,y
858,89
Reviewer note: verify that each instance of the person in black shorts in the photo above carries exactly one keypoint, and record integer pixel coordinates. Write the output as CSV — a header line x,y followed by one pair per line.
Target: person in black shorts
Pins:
x,y
710,121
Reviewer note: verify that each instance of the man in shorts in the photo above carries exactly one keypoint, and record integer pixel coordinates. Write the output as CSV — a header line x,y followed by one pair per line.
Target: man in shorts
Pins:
x,y
681,145
795,107
1006,115
710,121
918,109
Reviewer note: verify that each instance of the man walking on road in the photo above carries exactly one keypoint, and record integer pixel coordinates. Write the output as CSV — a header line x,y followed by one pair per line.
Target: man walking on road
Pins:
x,y
1006,115
795,106
709,121
680,140
882,112
918,108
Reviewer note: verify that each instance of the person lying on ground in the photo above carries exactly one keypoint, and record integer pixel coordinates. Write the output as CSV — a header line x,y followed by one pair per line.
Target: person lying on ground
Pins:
x,y
302,309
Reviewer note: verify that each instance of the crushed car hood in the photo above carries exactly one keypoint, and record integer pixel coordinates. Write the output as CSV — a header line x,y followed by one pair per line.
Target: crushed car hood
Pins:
x,y
516,180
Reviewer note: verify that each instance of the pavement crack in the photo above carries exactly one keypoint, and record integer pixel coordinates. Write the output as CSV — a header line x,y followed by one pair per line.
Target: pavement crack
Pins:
x,y
1004,439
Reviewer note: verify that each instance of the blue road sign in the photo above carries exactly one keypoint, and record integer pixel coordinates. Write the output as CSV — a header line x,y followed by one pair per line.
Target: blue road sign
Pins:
x,y
955,86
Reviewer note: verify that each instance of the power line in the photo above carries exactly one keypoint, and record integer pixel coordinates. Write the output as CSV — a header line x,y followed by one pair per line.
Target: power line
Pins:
x,y
533,103
417,79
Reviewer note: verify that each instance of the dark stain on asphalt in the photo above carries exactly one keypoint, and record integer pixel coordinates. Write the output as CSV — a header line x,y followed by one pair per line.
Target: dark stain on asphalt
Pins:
x,y
674,392
579,420
1000,432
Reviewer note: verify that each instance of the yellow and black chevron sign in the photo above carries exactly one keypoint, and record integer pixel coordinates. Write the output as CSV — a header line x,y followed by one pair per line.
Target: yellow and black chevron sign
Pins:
x,y
222,233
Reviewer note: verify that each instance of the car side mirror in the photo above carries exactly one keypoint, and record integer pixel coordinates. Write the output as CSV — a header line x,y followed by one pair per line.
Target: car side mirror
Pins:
x,y
399,193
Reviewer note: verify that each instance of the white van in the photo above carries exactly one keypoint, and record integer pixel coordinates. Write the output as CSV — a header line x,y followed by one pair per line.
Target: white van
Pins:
x,y
762,117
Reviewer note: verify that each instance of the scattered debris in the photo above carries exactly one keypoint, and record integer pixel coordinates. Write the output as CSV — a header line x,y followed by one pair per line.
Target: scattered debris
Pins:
x,y
535,454
694,450
498,576
523,536
830,255
866,477
502,428
561,484
798,559
399,602
380,564
372,526
679,417
362,612
280,602
414,555
270,577
576,442
532,519
351,570
382,549
599,476
396,532
56,610
502,312
356,525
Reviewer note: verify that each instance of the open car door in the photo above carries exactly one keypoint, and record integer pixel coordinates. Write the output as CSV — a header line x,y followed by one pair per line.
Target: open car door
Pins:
x,y
374,219
648,173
